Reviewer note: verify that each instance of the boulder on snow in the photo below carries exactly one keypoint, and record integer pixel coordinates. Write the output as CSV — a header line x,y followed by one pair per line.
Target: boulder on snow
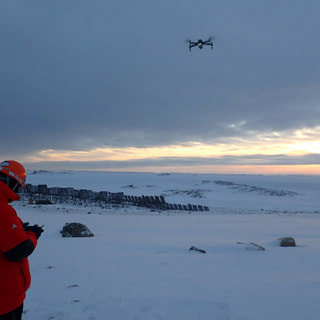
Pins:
x,y
287,242
75,229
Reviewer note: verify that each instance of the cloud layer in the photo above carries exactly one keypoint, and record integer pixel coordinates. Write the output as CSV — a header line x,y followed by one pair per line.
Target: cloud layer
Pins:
x,y
80,75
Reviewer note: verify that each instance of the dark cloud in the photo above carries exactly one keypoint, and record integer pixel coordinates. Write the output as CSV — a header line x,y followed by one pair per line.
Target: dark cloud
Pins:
x,y
79,74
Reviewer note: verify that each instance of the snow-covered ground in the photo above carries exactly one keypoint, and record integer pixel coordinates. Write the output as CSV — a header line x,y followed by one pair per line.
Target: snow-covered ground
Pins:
x,y
138,265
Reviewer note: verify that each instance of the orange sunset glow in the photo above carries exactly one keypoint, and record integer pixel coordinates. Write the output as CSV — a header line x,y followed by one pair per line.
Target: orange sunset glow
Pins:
x,y
294,144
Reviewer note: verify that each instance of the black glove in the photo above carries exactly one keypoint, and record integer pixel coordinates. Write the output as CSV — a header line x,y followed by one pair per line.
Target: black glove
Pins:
x,y
35,229
25,225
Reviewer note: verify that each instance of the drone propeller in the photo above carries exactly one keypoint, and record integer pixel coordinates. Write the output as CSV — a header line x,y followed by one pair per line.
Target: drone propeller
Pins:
x,y
211,41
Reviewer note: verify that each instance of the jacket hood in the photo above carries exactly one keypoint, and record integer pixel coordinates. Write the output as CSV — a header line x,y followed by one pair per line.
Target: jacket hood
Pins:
x,y
6,194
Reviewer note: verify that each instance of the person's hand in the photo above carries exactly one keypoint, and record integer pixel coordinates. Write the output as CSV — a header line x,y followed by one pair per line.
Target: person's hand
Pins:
x,y
25,225
35,229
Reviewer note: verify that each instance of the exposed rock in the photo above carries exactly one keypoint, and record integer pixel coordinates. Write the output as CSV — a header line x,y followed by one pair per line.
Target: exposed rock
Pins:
x,y
193,248
193,193
44,201
252,246
75,229
255,189
287,242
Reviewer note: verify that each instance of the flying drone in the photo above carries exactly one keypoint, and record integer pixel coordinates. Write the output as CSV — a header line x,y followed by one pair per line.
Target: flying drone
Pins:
x,y
200,43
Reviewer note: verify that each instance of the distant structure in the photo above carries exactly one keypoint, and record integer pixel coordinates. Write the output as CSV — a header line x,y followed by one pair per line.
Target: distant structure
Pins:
x,y
42,194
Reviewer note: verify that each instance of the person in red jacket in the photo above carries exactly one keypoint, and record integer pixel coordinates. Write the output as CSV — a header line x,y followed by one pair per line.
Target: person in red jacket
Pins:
x,y
17,242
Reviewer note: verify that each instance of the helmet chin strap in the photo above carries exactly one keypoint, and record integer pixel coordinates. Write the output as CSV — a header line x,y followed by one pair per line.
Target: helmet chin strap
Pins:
x,y
10,182
16,187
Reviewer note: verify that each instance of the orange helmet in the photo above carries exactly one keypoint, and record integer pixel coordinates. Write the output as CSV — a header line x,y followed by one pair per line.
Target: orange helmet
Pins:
x,y
14,170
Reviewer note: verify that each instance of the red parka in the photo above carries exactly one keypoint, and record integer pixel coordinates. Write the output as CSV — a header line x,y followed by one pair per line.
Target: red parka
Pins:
x,y
14,275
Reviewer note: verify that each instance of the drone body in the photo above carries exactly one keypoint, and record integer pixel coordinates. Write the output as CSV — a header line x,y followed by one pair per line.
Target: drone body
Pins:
x,y
200,43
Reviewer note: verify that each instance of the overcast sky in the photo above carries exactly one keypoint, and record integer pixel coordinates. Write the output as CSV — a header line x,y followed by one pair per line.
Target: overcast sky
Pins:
x,y
78,75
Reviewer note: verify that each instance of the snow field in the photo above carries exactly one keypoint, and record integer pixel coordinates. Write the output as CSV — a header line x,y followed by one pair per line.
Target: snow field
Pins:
x,y
140,267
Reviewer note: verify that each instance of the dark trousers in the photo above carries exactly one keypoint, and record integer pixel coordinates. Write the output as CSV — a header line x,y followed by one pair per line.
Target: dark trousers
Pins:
x,y
16,314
